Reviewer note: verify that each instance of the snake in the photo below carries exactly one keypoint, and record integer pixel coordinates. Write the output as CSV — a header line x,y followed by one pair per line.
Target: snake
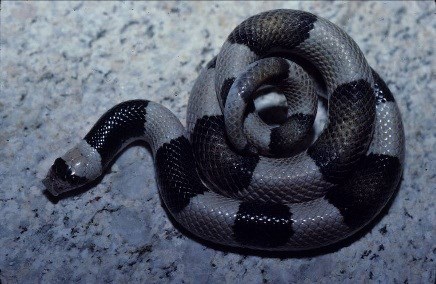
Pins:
x,y
232,177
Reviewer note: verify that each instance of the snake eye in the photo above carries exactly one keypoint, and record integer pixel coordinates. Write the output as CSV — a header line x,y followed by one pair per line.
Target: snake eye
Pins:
x,y
61,169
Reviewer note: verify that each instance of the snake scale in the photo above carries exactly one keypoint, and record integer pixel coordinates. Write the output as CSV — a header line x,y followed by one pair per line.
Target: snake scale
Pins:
x,y
228,177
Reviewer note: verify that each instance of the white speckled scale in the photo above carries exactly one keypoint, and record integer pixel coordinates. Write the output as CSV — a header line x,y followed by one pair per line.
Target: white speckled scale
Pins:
x,y
84,160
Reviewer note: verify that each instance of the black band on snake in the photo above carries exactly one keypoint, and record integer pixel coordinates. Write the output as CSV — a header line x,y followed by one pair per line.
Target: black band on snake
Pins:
x,y
228,177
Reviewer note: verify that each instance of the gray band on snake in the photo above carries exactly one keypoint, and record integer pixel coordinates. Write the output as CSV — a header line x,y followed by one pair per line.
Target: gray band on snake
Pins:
x,y
211,177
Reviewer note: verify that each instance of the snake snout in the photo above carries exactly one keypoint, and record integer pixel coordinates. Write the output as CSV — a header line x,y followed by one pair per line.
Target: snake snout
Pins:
x,y
50,184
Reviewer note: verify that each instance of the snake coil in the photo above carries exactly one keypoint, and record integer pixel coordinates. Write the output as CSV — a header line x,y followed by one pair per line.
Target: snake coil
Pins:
x,y
229,177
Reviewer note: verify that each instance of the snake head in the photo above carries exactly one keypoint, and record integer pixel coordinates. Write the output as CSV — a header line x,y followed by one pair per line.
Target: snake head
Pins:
x,y
62,178
78,167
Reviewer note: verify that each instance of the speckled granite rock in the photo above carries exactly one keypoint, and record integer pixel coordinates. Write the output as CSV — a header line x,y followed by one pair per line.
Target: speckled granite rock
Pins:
x,y
63,64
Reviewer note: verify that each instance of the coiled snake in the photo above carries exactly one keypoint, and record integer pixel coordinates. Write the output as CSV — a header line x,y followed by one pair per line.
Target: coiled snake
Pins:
x,y
228,178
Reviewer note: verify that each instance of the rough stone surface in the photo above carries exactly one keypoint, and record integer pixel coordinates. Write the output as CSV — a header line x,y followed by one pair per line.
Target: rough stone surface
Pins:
x,y
64,63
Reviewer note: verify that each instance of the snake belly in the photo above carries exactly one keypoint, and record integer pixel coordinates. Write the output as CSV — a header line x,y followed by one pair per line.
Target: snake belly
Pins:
x,y
211,177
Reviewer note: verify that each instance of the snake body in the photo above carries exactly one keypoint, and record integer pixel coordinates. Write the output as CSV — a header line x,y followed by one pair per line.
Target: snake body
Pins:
x,y
221,178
